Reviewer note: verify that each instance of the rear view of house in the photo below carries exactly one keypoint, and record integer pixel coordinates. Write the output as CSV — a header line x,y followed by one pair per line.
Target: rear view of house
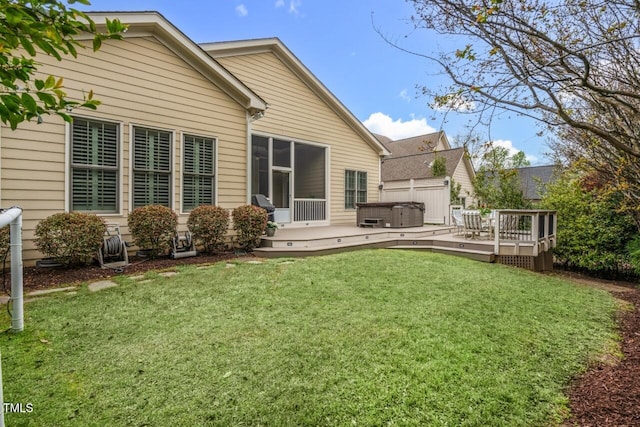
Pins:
x,y
178,128
309,154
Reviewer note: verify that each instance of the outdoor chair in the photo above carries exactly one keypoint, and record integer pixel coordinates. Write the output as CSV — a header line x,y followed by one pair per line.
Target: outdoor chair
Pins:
x,y
474,224
458,221
508,226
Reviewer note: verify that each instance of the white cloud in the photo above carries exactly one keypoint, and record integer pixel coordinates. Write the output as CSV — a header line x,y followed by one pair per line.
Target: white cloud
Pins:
x,y
505,143
294,6
404,95
241,10
382,124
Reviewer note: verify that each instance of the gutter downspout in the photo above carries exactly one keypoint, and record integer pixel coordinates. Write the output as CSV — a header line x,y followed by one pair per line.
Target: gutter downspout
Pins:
x,y
248,174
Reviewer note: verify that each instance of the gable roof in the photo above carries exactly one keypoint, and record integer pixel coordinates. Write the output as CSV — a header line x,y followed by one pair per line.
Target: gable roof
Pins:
x,y
275,46
418,166
415,145
143,24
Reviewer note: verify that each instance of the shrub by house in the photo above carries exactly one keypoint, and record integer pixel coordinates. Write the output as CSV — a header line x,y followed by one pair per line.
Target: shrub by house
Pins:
x,y
249,222
71,238
152,228
209,225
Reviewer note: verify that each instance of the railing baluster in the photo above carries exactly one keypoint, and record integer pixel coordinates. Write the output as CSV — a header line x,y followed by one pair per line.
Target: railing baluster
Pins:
x,y
309,210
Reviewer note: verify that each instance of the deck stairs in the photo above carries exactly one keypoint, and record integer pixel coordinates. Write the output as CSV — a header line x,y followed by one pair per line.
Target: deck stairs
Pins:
x,y
440,239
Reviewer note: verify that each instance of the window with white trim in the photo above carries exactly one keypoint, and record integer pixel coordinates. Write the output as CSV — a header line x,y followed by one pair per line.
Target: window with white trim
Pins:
x,y
198,166
95,166
151,167
355,188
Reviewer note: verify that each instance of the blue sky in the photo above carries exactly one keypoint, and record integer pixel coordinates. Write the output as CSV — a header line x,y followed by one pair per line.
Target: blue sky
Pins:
x,y
338,42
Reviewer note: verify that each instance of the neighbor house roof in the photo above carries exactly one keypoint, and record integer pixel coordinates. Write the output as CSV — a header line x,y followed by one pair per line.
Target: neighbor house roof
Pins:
x,y
418,166
532,176
154,24
414,145
275,46
383,139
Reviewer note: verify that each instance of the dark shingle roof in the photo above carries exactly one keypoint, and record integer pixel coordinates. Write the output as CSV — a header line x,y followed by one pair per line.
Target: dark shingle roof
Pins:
x,y
409,146
417,166
383,139
532,176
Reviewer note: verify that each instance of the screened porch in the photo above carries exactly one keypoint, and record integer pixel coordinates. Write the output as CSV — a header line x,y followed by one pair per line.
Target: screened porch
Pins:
x,y
293,175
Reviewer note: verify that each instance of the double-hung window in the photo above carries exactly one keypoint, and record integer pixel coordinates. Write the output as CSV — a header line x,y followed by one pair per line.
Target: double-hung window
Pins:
x,y
198,172
151,167
95,166
355,188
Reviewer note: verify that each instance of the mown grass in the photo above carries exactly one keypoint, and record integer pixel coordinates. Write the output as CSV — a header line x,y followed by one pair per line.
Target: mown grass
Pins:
x,y
376,337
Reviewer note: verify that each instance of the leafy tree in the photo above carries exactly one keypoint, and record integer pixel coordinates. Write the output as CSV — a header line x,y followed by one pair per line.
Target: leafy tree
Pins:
x,y
28,27
616,170
439,166
454,192
570,64
589,236
497,182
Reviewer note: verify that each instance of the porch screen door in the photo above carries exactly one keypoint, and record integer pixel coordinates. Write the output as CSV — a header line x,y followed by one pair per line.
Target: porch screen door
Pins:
x,y
281,193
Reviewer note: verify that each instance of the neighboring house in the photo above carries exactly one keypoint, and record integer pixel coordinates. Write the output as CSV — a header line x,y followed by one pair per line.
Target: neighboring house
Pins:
x,y
407,173
179,128
533,179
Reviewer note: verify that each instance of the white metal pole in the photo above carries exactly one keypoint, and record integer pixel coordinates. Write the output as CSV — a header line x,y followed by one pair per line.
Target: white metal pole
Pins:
x,y
17,299
13,216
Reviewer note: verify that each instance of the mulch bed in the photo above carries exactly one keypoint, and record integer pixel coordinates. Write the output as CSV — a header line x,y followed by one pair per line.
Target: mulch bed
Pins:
x,y
609,394
44,278
606,395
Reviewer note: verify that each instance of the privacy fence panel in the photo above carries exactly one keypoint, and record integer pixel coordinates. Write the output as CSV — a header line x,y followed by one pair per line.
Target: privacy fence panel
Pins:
x,y
434,193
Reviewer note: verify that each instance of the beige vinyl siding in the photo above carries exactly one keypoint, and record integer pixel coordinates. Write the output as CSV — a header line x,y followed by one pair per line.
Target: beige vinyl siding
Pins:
x,y
140,82
461,176
296,112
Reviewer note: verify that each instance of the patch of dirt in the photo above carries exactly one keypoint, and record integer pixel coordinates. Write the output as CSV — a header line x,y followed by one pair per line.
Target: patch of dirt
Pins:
x,y
606,395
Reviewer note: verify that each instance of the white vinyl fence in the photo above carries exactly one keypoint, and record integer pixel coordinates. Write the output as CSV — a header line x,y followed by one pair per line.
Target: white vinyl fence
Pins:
x,y
433,192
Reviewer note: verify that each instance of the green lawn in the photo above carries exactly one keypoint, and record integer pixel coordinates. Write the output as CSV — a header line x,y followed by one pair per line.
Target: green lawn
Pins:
x,y
373,337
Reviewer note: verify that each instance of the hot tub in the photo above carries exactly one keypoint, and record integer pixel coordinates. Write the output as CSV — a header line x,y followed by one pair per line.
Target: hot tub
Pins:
x,y
390,214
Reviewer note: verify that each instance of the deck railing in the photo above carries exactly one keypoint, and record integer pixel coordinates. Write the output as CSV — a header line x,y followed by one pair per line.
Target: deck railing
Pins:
x,y
307,210
515,230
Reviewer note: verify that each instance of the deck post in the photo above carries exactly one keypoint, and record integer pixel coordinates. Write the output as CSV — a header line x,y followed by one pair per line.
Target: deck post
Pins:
x,y
535,221
496,233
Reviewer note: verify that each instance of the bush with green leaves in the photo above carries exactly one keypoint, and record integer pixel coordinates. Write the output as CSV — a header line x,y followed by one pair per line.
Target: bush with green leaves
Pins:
x,y
439,166
71,238
152,228
209,225
633,249
249,222
592,234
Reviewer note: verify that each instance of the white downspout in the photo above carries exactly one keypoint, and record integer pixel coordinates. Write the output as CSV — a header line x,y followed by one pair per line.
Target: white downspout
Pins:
x,y
249,159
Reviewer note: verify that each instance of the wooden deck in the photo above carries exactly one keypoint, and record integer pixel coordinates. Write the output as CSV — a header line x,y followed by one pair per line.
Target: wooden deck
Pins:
x,y
521,238
295,242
